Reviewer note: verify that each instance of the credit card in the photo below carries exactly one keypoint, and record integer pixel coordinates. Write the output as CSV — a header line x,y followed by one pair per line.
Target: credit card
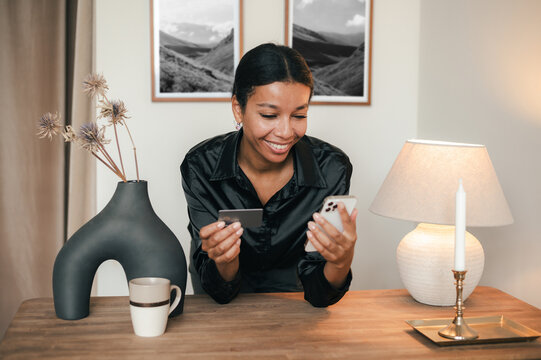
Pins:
x,y
247,217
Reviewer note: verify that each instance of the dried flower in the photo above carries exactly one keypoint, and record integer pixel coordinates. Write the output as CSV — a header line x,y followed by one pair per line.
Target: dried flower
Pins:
x,y
69,134
91,137
49,125
95,84
114,110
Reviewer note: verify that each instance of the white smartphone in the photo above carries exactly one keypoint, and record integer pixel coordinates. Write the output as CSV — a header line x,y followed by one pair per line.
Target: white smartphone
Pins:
x,y
329,211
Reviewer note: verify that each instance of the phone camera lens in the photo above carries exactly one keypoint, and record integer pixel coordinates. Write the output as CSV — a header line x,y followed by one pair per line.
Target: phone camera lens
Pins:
x,y
328,209
331,203
335,206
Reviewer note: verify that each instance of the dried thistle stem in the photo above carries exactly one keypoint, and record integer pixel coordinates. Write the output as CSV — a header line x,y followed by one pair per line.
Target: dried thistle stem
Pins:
x,y
104,163
110,159
134,151
106,154
119,153
136,166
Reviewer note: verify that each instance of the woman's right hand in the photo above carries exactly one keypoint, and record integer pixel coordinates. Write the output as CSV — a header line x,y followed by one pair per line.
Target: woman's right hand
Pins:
x,y
222,244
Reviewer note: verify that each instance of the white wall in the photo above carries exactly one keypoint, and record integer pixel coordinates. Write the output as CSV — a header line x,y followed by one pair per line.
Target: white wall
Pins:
x,y
480,82
371,135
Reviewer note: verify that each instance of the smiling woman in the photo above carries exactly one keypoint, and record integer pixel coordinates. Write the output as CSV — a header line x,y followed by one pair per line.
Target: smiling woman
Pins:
x,y
269,163
274,120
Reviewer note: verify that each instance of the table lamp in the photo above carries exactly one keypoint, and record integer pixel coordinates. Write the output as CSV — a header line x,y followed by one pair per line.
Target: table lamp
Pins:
x,y
421,187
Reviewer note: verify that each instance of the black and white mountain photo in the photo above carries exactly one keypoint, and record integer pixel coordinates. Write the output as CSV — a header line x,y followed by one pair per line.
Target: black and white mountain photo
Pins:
x,y
330,34
196,46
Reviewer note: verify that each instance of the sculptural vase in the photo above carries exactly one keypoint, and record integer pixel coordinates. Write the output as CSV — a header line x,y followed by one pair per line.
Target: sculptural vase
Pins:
x,y
127,230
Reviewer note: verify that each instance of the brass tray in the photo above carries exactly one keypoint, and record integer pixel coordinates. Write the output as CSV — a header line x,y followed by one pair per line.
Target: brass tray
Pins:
x,y
491,329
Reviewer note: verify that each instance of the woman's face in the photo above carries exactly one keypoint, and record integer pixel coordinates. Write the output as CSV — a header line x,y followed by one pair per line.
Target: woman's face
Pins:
x,y
273,121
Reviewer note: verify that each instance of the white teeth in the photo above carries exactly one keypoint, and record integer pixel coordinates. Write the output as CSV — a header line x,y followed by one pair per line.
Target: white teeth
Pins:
x,y
277,146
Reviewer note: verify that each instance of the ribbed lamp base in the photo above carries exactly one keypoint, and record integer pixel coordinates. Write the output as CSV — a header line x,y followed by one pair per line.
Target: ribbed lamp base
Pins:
x,y
425,260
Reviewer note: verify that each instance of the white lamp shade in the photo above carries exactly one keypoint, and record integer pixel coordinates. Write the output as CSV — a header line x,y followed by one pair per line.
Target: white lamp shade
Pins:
x,y
423,181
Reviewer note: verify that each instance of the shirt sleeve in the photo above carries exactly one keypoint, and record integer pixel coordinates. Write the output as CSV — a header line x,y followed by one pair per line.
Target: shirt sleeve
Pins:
x,y
211,281
317,289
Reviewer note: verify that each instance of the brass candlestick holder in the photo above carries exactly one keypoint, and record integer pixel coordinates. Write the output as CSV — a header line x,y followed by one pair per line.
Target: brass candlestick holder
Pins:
x,y
458,329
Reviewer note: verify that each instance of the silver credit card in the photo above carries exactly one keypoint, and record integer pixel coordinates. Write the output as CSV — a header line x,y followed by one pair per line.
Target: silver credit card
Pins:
x,y
247,217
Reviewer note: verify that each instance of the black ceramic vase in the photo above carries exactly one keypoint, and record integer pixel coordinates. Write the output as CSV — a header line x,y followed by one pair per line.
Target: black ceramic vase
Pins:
x,y
127,230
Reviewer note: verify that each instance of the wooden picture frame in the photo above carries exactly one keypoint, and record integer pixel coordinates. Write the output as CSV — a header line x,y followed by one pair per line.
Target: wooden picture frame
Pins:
x,y
195,47
335,38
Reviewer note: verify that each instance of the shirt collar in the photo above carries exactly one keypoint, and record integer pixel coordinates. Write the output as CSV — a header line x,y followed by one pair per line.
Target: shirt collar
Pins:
x,y
307,170
227,165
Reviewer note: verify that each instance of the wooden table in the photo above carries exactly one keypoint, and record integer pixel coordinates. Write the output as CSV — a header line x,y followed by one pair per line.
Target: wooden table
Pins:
x,y
363,325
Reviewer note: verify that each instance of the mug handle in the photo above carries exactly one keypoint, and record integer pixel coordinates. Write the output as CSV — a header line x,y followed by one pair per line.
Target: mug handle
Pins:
x,y
177,297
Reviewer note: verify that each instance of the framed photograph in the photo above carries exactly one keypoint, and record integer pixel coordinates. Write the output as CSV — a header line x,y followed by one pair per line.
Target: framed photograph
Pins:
x,y
335,38
195,46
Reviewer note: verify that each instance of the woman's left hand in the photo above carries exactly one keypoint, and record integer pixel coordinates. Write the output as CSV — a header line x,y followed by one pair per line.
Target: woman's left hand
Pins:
x,y
335,246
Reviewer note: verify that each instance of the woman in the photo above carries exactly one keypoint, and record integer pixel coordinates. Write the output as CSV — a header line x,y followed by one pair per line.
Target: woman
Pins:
x,y
269,163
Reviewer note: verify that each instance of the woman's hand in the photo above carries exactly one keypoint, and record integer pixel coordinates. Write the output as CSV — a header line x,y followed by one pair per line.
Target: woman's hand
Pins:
x,y
336,247
222,244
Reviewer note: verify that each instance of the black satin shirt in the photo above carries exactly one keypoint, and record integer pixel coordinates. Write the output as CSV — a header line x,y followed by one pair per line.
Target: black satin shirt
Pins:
x,y
272,257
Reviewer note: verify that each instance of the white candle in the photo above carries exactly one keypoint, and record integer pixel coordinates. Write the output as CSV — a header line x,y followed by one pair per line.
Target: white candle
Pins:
x,y
460,228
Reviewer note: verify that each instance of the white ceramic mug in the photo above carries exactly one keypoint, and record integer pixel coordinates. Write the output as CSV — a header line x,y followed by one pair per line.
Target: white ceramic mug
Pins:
x,y
150,304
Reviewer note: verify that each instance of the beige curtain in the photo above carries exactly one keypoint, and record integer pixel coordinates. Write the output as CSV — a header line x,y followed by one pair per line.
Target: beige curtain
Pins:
x,y
46,48
81,174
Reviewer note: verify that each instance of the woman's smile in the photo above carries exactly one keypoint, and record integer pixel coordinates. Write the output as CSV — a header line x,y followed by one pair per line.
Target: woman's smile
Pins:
x,y
279,148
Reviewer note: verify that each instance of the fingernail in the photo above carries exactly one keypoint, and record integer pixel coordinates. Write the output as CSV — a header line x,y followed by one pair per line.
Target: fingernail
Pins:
x,y
311,225
309,234
240,231
238,242
220,225
317,216
236,225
